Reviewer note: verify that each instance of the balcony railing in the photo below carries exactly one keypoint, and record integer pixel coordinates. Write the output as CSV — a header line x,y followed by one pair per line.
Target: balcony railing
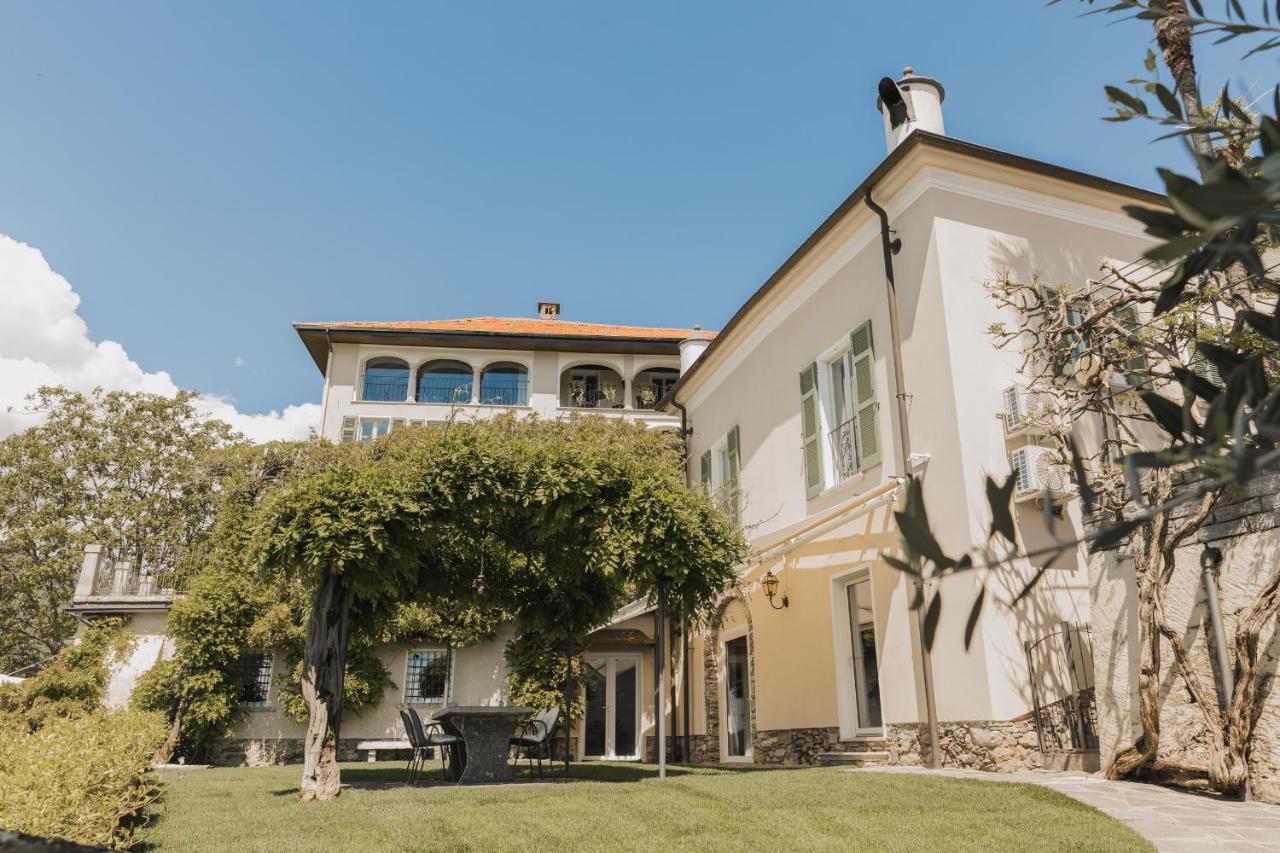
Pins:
x,y
594,399
120,579
504,392
109,582
449,392
844,448
386,390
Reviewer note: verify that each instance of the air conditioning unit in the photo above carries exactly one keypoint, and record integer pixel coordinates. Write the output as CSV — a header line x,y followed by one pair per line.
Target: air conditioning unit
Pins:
x,y
1020,409
1039,471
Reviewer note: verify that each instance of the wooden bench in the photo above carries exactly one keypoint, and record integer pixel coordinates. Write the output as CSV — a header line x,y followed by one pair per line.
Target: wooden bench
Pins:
x,y
372,746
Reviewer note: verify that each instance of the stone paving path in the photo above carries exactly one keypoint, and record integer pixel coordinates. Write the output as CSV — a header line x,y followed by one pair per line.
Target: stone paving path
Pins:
x,y
1174,821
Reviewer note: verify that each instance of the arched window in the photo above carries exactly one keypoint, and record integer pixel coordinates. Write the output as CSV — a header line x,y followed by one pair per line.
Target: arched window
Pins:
x,y
504,384
386,379
444,381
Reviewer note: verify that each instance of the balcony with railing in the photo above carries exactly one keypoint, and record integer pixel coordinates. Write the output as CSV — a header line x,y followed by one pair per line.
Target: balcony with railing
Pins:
x,y
111,583
844,449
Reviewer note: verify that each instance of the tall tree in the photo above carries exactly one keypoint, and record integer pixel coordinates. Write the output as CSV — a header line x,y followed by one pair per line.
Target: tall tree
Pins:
x,y
121,469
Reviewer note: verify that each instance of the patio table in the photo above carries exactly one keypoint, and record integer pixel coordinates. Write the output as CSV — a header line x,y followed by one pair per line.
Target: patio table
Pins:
x,y
486,735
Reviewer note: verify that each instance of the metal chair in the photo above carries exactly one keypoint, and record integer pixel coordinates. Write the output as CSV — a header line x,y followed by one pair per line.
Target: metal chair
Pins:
x,y
417,748
534,736
432,735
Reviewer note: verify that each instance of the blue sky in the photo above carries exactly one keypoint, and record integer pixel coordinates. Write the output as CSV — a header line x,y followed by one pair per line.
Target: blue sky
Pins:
x,y
203,176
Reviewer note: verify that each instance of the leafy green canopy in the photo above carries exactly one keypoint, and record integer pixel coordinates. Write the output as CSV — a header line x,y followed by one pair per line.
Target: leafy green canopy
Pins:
x,y
557,523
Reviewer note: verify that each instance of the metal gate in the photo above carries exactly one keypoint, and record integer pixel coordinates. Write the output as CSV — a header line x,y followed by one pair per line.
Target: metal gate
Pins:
x,y
1060,665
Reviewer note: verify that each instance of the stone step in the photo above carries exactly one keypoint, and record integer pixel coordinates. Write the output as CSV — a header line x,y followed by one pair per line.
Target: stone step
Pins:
x,y
861,758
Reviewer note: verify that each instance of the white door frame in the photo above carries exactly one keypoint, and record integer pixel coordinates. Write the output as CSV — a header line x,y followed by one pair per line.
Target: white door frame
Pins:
x,y
726,636
610,733
846,686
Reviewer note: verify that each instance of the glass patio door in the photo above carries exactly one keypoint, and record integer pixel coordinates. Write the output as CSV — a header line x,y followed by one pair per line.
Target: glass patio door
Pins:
x,y
737,695
866,670
611,726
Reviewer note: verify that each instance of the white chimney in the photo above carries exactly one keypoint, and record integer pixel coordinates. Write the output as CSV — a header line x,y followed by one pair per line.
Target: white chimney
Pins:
x,y
692,347
548,310
910,103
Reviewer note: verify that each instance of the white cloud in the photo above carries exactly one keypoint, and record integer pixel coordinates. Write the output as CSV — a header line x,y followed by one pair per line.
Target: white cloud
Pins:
x,y
44,341
239,362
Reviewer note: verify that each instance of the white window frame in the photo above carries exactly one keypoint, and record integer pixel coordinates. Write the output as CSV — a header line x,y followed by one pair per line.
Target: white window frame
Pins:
x,y
448,678
842,637
727,635
841,349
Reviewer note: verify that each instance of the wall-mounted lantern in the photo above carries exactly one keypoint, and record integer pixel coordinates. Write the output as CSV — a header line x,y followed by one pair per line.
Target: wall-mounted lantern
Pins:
x,y
769,583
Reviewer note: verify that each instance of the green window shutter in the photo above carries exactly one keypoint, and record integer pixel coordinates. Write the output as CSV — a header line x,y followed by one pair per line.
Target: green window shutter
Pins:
x,y
1136,366
1206,369
731,476
864,396
348,429
706,473
812,439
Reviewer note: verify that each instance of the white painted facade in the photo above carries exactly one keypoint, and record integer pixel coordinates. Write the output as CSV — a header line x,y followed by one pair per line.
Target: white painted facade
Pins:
x,y
964,215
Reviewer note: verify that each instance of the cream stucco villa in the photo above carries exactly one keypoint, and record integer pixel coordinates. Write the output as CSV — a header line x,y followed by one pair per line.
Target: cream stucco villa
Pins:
x,y
801,418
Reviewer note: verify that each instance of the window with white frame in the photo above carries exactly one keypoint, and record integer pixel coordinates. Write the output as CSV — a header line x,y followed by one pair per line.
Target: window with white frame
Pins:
x,y
721,467
371,428
841,420
426,680
839,413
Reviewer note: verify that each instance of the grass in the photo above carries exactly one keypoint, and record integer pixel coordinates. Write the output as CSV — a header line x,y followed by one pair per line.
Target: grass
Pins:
x,y
625,807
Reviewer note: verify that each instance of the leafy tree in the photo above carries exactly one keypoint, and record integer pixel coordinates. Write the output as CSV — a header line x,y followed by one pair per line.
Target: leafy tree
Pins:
x,y
120,469
556,523
230,608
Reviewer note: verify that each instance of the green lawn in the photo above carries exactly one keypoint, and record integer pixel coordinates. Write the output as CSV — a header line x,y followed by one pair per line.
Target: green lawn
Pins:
x,y
624,807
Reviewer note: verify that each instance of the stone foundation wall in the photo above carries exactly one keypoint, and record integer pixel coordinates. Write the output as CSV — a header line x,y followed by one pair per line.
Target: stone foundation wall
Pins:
x,y
1000,746
997,746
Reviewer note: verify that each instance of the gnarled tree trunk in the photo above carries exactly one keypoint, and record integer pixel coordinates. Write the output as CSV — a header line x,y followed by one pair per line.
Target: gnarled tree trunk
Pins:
x,y
323,665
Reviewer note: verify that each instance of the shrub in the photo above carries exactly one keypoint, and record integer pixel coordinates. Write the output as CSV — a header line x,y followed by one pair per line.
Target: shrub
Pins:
x,y
74,681
82,779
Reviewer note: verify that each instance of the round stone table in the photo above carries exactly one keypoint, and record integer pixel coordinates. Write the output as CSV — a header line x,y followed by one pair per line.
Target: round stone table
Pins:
x,y
486,735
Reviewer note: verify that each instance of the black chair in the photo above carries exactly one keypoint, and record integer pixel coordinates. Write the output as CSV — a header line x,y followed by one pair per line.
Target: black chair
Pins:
x,y
433,735
417,748
534,737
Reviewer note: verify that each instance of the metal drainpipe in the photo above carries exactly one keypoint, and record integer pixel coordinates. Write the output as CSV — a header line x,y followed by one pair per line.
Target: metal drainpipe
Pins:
x,y
891,248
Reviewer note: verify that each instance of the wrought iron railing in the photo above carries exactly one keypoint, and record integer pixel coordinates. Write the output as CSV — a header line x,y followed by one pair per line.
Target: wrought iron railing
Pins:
x,y
440,390
116,578
1060,666
844,448
386,389
504,392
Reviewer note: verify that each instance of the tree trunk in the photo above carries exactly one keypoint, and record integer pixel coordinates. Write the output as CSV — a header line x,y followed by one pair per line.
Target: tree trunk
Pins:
x,y
323,665
1233,774
1131,761
1173,37
165,753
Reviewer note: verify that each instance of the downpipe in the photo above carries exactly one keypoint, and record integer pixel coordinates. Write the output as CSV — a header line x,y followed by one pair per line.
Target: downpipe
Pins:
x,y
891,247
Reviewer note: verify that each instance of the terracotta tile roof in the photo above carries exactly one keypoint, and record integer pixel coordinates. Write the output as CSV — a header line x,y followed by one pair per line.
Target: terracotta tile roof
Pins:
x,y
525,326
